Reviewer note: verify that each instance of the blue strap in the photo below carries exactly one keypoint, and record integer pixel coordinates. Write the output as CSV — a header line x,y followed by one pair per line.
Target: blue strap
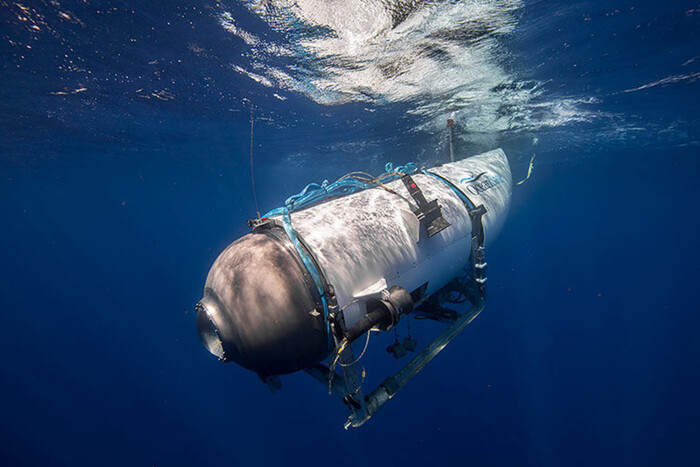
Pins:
x,y
310,266
456,190
314,193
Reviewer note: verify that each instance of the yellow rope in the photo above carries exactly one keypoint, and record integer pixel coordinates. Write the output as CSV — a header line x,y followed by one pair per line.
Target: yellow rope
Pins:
x,y
529,170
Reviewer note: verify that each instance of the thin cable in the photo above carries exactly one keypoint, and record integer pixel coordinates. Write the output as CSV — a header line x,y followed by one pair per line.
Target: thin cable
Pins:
x,y
351,174
331,373
360,176
348,304
335,355
361,355
362,381
452,153
381,185
252,175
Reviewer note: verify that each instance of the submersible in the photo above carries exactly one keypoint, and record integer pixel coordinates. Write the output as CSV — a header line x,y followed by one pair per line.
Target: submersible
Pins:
x,y
313,276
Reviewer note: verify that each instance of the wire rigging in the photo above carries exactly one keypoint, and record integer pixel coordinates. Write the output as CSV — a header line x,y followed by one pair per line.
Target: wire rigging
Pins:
x,y
252,174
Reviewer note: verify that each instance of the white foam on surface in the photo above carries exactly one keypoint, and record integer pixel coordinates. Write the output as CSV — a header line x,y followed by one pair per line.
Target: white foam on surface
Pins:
x,y
439,57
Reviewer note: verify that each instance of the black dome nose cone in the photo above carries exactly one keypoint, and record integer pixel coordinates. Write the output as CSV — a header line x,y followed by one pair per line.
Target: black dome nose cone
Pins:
x,y
260,308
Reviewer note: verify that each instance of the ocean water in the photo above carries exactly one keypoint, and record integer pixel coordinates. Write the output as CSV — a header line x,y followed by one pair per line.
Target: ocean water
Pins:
x,y
125,170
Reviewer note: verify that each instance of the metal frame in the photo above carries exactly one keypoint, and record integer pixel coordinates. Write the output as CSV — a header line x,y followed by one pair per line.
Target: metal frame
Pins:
x,y
349,385
366,407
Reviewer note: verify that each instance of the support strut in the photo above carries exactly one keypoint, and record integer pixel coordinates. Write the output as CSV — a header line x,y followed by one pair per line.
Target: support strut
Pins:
x,y
390,386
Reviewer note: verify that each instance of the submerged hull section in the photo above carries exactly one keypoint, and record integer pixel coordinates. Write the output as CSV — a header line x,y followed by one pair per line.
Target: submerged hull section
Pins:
x,y
369,237
261,307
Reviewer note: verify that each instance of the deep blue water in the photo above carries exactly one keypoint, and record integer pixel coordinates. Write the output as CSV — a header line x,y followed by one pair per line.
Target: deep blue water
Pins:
x,y
124,172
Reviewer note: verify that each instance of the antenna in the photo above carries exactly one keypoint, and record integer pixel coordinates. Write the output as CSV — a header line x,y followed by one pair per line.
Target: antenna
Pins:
x,y
252,174
450,125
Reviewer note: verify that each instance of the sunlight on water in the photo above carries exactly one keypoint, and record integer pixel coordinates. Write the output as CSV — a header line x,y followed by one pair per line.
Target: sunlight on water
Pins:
x,y
437,57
